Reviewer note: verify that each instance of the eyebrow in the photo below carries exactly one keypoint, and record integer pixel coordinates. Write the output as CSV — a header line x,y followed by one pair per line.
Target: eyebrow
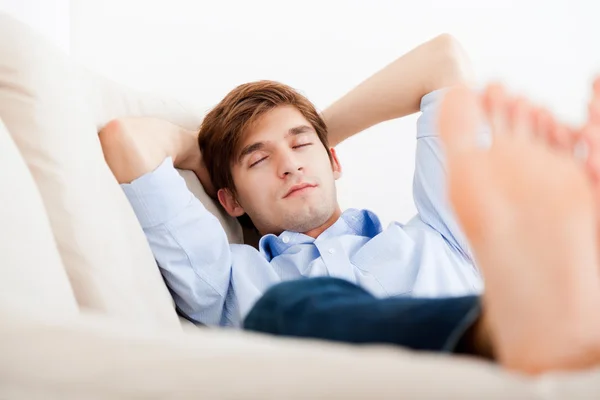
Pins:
x,y
251,148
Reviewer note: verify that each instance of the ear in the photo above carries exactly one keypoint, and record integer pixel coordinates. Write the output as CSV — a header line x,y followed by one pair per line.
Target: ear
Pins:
x,y
229,203
335,164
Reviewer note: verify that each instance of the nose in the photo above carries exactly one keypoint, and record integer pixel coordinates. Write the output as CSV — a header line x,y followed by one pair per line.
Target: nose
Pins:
x,y
289,164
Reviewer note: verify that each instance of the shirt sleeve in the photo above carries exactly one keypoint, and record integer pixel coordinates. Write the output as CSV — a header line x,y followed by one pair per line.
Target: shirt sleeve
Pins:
x,y
429,184
188,242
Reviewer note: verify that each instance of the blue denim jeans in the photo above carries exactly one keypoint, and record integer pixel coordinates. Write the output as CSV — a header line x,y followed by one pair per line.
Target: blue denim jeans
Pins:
x,y
334,309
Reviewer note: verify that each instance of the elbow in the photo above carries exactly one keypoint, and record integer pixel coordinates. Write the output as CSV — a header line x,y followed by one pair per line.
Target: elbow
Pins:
x,y
110,135
452,66
118,149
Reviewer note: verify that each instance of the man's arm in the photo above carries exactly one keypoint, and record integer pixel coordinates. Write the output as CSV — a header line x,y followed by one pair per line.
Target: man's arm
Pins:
x,y
406,86
187,241
135,146
397,89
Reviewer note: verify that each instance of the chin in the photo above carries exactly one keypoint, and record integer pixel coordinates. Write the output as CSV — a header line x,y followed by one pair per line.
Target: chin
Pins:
x,y
307,219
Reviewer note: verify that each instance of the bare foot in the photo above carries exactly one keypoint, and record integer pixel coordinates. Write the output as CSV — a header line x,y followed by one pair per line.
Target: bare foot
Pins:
x,y
591,134
529,215
594,108
545,127
591,137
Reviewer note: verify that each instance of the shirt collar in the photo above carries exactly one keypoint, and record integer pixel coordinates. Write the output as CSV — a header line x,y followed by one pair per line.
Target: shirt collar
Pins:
x,y
351,222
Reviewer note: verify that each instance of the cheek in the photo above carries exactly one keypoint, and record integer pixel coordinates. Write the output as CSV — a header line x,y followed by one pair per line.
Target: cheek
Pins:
x,y
325,167
324,162
255,190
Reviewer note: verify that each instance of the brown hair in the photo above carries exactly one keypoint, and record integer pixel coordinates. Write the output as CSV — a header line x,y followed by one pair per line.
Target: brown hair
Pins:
x,y
223,128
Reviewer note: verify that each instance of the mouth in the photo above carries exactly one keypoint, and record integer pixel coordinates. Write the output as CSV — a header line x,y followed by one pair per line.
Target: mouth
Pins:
x,y
299,189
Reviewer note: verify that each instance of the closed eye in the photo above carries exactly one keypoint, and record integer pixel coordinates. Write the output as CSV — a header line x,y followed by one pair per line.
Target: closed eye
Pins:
x,y
302,145
257,162
264,158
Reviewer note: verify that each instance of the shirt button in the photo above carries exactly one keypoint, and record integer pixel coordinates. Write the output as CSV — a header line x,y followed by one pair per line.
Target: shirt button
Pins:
x,y
285,239
331,251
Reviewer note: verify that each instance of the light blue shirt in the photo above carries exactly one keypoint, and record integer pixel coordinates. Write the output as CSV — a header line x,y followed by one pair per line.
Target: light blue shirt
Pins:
x,y
217,283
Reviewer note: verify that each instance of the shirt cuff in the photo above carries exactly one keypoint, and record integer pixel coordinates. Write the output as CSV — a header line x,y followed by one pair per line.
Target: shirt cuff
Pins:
x,y
159,195
427,124
431,98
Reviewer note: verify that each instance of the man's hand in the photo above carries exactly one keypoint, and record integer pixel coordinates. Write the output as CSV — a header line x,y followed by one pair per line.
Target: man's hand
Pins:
x,y
209,188
192,160
135,146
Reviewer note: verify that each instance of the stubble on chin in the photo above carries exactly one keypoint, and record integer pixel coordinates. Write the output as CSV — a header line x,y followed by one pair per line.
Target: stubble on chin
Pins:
x,y
307,219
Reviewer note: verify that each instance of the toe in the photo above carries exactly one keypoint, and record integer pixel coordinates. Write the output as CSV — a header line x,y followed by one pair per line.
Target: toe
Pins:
x,y
521,118
467,159
596,85
537,123
594,106
458,120
594,111
543,125
548,130
495,107
561,137
591,137
556,134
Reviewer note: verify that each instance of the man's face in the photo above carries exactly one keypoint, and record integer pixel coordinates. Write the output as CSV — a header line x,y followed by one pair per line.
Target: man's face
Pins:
x,y
283,177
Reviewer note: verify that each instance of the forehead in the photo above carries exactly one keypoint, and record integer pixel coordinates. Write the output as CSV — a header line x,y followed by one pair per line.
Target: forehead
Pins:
x,y
274,125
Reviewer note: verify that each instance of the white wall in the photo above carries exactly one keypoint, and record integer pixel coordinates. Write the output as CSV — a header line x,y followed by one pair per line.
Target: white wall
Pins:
x,y
49,17
201,49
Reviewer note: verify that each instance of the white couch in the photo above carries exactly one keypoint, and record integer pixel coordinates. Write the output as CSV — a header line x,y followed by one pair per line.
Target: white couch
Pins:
x,y
84,313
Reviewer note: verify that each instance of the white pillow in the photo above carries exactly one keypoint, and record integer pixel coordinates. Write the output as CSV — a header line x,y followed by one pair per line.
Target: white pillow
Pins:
x,y
103,249
32,277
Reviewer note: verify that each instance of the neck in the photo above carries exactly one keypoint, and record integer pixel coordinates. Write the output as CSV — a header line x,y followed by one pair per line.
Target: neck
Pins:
x,y
314,233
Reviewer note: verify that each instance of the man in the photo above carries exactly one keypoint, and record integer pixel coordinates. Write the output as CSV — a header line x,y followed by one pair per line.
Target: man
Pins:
x,y
267,152
529,208
497,193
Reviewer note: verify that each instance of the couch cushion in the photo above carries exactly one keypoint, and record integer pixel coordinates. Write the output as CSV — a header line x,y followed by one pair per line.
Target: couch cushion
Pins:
x,y
32,277
109,361
103,249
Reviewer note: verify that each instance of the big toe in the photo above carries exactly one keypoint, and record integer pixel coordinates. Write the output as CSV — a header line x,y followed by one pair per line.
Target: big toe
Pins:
x,y
458,119
594,106
591,136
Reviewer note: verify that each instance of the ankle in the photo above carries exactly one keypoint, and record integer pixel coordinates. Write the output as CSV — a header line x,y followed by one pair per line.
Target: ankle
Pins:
x,y
476,340
482,337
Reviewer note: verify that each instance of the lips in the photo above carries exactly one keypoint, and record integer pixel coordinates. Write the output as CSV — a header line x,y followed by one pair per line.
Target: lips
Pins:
x,y
297,187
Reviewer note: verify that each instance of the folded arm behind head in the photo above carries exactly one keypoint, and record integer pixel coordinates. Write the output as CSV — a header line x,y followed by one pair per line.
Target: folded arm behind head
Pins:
x,y
135,146
396,90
